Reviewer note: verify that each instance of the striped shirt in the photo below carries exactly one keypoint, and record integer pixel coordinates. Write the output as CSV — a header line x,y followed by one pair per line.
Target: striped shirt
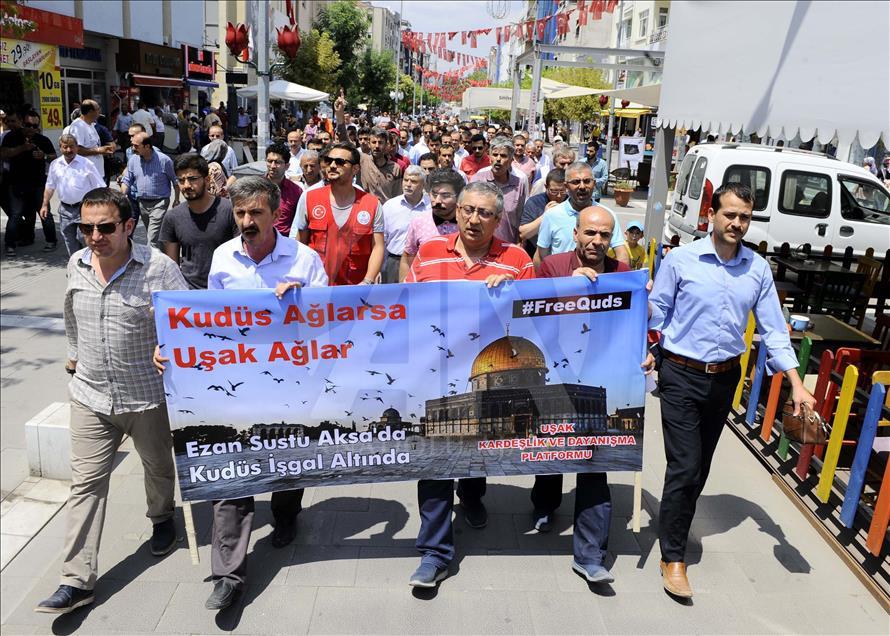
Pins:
x,y
111,331
438,259
152,179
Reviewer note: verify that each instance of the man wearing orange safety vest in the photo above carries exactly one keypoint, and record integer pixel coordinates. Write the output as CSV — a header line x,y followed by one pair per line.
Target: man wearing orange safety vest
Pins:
x,y
343,223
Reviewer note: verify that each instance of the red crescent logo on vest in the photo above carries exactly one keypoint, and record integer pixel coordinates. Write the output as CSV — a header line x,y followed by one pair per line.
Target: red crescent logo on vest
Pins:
x,y
318,212
363,217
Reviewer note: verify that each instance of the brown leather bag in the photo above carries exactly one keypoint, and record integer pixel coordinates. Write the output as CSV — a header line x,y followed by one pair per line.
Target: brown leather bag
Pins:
x,y
806,427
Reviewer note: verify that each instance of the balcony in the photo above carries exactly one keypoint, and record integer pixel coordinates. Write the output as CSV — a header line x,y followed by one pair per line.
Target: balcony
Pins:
x,y
658,35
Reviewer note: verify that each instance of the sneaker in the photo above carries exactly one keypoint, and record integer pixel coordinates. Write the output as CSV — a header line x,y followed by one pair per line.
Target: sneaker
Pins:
x,y
65,599
593,573
284,533
163,537
49,247
543,523
427,575
475,514
224,592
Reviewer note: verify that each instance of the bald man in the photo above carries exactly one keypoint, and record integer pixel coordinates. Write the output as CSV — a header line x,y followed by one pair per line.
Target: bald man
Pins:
x,y
593,501
150,173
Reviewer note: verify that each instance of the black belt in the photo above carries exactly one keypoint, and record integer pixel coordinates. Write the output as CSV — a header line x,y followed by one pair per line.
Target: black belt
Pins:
x,y
147,199
391,255
707,367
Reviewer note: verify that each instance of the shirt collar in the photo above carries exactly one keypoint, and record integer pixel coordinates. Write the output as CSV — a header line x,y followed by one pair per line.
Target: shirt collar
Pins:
x,y
283,248
705,246
139,253
423,203
496,249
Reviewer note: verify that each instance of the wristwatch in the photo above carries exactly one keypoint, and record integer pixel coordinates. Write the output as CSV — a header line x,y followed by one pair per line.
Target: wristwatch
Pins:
x,y
69,370
368,281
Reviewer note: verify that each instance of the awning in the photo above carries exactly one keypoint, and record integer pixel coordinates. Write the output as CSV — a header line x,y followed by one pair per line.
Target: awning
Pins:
x,y
154,80
281,89
200,83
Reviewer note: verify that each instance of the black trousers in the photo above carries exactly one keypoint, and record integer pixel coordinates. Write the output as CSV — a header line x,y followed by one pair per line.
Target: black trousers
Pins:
x,y
232,522
694,406
592,516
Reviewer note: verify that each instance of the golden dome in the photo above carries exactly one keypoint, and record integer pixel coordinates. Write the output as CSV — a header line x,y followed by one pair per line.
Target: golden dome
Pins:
x,y
507,354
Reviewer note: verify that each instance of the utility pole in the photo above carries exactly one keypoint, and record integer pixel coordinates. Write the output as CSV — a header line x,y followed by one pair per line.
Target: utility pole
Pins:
x,y
398,58
262,63
614,86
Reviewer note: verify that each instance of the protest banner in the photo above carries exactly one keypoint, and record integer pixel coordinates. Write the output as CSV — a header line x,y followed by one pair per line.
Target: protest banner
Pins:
x,y
343,385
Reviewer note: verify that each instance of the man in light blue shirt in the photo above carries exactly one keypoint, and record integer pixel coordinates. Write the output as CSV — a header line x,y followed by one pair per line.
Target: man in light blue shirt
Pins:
x,y
700,303
150,173
397,215
556,232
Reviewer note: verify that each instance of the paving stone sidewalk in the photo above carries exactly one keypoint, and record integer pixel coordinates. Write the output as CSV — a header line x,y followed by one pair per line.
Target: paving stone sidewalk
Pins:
x,y
756,564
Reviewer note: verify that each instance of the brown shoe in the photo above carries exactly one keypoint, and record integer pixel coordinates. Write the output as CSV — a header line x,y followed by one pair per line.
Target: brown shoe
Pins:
x,y
673,577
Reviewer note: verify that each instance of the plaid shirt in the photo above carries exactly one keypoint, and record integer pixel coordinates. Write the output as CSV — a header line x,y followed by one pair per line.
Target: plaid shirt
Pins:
x,y
111,331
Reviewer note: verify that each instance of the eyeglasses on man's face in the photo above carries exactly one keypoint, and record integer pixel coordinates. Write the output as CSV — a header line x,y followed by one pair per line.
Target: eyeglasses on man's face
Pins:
x,y
468,211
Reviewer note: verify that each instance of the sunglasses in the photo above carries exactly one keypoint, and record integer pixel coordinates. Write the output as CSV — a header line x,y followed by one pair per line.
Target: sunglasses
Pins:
x,y
337,160
31,125
104,228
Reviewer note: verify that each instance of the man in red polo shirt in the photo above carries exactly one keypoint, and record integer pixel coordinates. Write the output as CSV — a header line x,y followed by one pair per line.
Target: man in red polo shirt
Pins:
x,y
277,157
342,223
593,501
478,157
472,254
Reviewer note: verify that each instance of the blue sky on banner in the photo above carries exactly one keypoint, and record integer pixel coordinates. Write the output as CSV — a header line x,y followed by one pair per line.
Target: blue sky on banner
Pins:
x,y
455,15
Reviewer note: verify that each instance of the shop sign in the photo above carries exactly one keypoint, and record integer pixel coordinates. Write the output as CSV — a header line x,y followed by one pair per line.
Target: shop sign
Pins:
x,y
20,55
149,59
51,28
50,82
199,63
87,53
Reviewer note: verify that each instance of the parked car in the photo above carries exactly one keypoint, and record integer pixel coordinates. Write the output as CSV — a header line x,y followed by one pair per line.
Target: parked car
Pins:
x,y
800,197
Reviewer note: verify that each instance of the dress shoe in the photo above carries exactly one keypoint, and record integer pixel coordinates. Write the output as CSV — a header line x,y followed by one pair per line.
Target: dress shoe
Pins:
x,y
427,575
593,573
543,522
673,577
65,599
475,514
285,532
163,537
224,592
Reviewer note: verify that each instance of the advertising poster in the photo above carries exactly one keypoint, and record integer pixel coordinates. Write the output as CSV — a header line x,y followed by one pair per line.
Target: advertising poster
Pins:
x,y
631,152
342,385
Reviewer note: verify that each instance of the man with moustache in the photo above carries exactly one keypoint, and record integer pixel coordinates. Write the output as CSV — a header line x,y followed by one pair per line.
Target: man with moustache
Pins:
x,y
521,162
290,192
343,223
378,174
397,215
444,187
71,177
563,157
557,229
309,164
536,205
295,145
513,187
150,173
446,160
260,258
593,501
192,230
114,389
475,254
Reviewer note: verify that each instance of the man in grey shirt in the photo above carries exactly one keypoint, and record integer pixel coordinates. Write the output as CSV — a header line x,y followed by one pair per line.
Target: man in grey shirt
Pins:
x,y
115,390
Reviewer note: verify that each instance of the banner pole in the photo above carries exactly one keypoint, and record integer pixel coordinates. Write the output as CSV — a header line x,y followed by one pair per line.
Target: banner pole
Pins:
x,y
638,501
190,536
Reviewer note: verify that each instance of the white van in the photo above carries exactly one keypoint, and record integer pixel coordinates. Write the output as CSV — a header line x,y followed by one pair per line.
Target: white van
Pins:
x,y
800,197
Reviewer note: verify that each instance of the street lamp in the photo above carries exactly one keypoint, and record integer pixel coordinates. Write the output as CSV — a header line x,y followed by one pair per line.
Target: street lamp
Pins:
x,y
396,96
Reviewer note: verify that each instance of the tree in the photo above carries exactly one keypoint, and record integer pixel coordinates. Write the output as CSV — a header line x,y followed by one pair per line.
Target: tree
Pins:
x,y
575,108
315,64
347,26
377,78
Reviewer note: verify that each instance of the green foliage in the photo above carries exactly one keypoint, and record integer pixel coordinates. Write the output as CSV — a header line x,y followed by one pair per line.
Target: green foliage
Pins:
x,y
575,108
11,24
347,26
377,78
315,64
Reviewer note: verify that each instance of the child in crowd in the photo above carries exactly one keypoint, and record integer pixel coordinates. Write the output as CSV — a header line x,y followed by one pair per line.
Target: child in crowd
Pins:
x,y
633,235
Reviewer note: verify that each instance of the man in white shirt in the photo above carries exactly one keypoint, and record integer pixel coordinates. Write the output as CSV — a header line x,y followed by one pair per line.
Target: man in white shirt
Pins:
x,y
84,130
229,162
397,215
71,177
142,116
295,145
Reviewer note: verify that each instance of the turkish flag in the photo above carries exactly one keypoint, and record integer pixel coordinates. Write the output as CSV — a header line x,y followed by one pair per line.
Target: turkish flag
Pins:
x,y
540,27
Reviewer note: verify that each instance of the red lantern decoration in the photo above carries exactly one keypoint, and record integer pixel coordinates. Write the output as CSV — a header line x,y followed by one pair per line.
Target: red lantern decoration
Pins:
x,y
289,41
236,38
604,99
625,103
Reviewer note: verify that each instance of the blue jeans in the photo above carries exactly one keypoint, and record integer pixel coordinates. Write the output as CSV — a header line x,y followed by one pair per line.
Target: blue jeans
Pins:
x,y
435,498
23,208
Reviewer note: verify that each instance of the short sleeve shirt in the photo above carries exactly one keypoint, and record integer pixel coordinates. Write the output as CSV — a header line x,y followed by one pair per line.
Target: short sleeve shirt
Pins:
x,y
198,236
439,260
423,228
557,228
88,137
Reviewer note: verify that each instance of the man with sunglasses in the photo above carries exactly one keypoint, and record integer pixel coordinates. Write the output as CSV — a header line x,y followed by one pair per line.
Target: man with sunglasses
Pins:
x,y
478,157
557,230
343,223
27,152
192,230
150,171
115,389
474,253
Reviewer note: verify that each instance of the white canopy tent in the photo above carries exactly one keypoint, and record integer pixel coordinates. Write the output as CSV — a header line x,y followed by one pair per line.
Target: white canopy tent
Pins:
x,y
639,96
478,98
287,91
782,70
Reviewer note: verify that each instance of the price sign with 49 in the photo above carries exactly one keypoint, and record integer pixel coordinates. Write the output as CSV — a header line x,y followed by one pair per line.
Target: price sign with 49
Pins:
x,y
51,98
